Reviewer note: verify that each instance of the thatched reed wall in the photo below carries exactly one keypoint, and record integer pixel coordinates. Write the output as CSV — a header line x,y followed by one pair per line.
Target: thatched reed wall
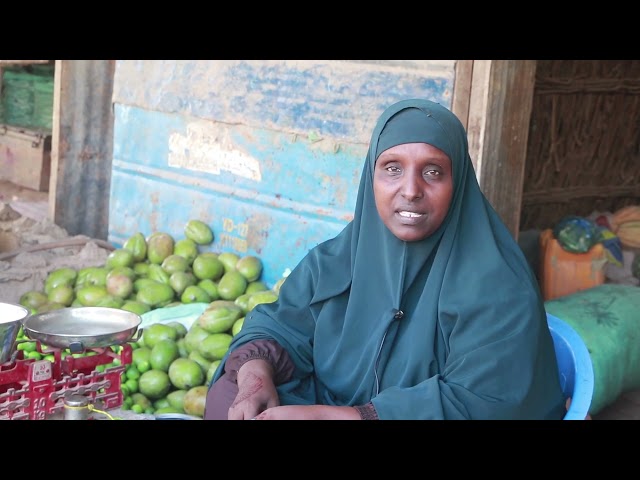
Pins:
x,y
583,151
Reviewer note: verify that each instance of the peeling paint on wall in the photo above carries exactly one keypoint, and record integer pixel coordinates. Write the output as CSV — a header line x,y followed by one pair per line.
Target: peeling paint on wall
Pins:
x,y
208,148
267,152
338,99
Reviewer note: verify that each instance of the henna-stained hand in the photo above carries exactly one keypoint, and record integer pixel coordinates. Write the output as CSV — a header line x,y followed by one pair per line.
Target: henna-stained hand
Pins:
x,y
256,391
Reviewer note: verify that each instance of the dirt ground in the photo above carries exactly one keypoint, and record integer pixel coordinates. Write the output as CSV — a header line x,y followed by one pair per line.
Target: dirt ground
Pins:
x,y
31,246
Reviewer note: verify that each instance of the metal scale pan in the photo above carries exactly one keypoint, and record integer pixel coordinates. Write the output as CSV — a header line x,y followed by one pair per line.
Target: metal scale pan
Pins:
x,y
81,328
11,318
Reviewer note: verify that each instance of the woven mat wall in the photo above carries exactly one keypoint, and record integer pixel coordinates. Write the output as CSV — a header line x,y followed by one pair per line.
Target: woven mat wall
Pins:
x,y
583,150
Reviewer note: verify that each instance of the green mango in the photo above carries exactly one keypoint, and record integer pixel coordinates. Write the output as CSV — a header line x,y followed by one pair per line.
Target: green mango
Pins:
x,y
120,257
199,232
206,266
126,271
155,294
119,285
237,326
110,301
63,294
182,347
157,273
212,370
180,328
175,263
137,245
186,248
256,286
229,260
257,298
33,299
194,294
179,281
232,285
60,276
194,336
91,295
250,267
210,287
200,360
159,246
215,345
92,276
142,283
243,301
219,316
135,307
141,269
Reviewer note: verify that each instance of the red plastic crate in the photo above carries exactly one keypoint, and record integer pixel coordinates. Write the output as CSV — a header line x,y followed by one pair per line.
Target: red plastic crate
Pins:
x,y
35,389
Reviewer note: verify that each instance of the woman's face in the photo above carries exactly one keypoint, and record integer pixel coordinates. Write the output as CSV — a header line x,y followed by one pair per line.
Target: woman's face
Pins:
x,y
413,186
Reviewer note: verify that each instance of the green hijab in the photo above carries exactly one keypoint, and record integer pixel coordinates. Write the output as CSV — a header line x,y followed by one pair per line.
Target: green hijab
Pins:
x,y
472,341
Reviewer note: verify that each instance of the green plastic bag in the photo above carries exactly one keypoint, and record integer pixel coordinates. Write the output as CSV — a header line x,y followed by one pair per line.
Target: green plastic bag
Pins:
x,y
576,234
607,318
185,314
27,96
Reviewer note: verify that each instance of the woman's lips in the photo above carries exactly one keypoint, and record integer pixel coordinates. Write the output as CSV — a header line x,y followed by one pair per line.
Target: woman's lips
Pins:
x,y
409,218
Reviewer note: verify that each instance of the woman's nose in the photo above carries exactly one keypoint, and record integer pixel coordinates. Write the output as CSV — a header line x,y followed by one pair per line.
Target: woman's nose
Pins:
x,y
411,188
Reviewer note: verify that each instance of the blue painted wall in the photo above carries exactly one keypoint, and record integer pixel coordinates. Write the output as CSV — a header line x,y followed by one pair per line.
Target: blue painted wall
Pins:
x,y
268,153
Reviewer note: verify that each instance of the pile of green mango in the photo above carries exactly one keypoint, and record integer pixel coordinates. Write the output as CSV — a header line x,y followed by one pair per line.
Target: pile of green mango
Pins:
x,y
172,366
157,271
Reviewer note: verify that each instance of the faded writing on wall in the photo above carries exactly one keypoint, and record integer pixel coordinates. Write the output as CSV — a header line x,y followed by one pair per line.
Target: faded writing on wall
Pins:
x,y
238,243
206,148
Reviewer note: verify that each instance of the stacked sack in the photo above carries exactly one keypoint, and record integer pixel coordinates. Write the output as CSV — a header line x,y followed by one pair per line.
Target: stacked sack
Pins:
x,y
625,224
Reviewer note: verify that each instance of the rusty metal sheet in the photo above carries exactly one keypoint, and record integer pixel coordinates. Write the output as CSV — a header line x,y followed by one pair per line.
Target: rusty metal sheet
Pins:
x,y
85,142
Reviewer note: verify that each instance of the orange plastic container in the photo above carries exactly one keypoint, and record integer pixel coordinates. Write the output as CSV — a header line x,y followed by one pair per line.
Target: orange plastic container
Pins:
x,y
563,273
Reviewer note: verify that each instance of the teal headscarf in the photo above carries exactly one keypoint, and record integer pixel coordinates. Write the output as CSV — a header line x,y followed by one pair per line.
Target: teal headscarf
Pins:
x,y
471,339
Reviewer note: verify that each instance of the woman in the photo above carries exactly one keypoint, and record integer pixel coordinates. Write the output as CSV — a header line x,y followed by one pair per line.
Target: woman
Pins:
x,y
423,307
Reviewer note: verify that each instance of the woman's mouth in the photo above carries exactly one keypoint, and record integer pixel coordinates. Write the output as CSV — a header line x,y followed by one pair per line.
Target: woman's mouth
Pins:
x,y
406,214
410,218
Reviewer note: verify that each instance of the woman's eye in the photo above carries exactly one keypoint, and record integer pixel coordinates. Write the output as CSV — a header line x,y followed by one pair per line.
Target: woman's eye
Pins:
x,y
431,173
392,169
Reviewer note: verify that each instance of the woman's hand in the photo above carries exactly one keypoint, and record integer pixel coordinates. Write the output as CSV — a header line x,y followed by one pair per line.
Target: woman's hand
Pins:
x,y
309,412
256,391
